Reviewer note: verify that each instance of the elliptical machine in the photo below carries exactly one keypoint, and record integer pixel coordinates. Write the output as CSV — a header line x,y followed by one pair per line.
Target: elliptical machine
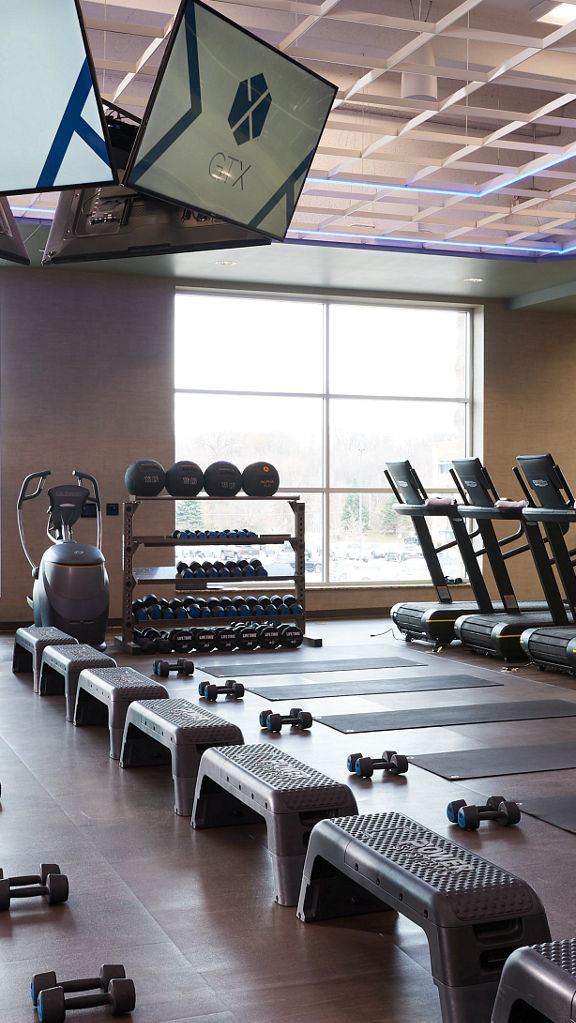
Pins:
x,y
71,589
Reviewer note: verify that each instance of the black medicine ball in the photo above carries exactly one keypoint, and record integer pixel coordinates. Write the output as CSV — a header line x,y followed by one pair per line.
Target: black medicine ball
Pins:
x,y
222,479
260,479
145,478
184,479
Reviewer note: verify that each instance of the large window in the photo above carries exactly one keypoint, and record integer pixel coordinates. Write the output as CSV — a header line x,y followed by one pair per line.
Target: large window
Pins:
x,y
328,392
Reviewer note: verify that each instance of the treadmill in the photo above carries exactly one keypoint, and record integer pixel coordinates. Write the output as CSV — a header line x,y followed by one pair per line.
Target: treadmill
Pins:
x,y
552,647
423,620
499,634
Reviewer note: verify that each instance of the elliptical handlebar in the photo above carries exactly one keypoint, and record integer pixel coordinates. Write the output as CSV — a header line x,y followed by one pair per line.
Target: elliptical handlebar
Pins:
x,y
41,476
95,499
24,496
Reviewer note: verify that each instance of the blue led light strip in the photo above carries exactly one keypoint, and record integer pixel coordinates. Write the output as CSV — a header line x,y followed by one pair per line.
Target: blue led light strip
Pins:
x,y
503,247
381,185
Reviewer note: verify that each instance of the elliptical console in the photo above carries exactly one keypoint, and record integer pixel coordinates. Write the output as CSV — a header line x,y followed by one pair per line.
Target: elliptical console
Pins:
x,y
71,589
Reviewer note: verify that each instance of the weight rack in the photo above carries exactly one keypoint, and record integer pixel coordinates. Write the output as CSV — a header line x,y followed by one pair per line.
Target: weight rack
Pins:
x,y
166,574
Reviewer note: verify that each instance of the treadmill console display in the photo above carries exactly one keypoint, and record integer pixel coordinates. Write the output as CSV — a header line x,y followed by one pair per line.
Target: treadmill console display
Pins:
x,y
407,482
476,482
545,479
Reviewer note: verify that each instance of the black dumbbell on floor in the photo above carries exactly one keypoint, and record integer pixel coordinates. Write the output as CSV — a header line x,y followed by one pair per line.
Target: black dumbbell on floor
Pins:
x,y
108,972
183,666
497,809
390,761
297,717
120,997
49,883
210,691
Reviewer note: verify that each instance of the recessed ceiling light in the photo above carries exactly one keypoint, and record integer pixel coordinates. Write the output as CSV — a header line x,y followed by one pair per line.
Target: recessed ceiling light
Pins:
x,y
474,280
225,262
553,13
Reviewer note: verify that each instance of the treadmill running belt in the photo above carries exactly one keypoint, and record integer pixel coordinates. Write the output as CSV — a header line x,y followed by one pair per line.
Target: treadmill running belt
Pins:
x,y
429,717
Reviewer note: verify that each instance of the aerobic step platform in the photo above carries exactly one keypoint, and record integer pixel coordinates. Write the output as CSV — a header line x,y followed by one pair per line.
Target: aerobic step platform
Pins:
x,y
474,914
240,784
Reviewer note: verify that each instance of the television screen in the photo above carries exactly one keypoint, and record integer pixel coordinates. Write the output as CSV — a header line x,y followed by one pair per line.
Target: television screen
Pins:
x,y
51,123
112,221
11,245
231,126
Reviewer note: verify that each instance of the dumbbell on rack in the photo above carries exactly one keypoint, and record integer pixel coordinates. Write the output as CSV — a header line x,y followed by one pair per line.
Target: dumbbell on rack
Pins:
x,y
182,667
49,883
108,972
210,690
297,717
246,636
119,997
151,641
497,809
390,761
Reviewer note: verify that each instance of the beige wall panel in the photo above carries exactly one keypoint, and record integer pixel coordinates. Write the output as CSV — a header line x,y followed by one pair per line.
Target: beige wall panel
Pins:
x,y
529,366
87,382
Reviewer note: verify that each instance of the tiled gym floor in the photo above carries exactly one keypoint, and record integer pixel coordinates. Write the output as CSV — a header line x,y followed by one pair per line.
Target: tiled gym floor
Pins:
x,y
190,914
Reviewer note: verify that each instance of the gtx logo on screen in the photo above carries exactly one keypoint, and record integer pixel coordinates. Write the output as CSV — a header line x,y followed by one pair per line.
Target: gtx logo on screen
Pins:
x,y
249,109
228,169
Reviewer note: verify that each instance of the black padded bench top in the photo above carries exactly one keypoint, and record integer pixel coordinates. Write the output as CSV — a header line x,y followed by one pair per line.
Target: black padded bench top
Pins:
x,y
104,695
540,979
473,913
178,732
288,795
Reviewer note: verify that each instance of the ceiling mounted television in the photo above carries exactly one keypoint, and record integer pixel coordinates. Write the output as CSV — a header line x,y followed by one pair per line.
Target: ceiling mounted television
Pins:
x,y
231,126
11,245
51,122
112,222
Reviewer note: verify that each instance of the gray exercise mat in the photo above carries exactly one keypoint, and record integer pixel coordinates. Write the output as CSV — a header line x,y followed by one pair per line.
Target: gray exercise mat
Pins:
x,y
298,665
316,690
430,717
557,810
500,760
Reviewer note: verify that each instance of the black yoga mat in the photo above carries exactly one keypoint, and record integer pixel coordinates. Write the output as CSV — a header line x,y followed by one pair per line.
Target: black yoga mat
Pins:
x,y
429,717
314,690
557,810
500,760
298,665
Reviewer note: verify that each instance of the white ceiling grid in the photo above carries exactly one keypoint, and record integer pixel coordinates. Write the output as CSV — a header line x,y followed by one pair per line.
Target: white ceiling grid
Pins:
x,y
489,167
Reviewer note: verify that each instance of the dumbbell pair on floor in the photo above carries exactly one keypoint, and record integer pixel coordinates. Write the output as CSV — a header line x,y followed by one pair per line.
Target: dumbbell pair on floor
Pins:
x,y
497,809
391,762
111,988
49,884
211,691
297,718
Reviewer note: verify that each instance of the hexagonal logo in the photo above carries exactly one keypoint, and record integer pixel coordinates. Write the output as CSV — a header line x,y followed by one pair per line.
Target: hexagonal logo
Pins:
x,y
249,109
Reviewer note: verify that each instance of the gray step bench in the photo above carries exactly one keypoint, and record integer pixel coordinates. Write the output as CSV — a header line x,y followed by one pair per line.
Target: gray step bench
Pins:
x,y
104,695
175,732
537,984
60,669
474,914
29,645
240,784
